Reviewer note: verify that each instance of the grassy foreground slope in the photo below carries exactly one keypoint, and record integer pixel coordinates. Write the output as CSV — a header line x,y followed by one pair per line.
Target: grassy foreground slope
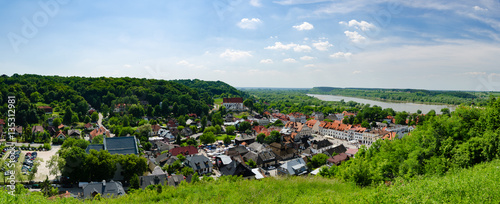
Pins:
x,y
478,184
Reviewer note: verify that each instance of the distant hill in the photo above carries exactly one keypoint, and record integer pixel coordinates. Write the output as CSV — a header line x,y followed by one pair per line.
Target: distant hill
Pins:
x,y
178,97
407,95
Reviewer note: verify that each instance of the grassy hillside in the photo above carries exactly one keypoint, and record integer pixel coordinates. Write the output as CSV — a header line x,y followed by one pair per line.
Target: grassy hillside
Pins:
x,y
479,184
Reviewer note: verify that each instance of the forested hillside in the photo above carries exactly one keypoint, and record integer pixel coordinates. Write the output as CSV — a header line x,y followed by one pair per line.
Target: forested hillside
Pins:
x,y
408,95
104,93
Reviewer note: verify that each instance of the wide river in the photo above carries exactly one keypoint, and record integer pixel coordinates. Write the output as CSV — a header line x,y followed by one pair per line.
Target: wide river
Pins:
x,y
408,107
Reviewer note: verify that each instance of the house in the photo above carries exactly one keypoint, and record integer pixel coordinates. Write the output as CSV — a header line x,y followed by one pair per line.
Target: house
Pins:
x,y
336,150
318,116
199,163
162,158
162,146
155,130
74,133
236,168
297,117
60,127
175,180
18,131
234,104
293,167
157,177
222,160
46,109
36,129
262,159
99,131
88,126
351,152
283,151
186,132
117,145
240,138
337,159
106,189
320,145
237,151
120,107
314,125
60,135
187,150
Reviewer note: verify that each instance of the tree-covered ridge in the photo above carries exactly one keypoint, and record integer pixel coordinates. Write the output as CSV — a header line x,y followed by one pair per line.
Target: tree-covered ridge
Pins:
x,y
103,93
408,95
467,137
216,89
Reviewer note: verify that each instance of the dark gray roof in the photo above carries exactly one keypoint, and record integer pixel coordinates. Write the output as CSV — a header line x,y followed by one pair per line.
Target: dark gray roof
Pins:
x,y
112,188
175,180
145,181
236,169
162,158
97,147
241,150
267,156
121,145
198,162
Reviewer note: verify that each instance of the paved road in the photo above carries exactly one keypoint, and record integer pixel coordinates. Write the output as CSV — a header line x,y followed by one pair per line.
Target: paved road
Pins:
x,y
99,122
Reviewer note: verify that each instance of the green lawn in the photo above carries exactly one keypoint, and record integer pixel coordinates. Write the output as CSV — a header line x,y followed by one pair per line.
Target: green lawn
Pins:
x,y
218,101
221,137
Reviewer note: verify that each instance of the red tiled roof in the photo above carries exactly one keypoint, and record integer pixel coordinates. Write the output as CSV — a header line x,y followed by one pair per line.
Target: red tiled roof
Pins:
x,y
37,128
188,150
232,100
155,128
352,151
88,125
98,131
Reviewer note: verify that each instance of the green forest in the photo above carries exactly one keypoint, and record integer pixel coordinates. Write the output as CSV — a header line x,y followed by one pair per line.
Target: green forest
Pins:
x,y
409,95
75,94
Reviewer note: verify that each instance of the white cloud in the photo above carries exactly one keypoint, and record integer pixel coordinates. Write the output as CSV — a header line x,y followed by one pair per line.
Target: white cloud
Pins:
x,y
302,48
310,65
477,8
356,72
475,73
322,45
281,46
235,54
255,3
246,23
290,60
307,58
363,25
341,55
304,26
127,65
296,47
354,36
266,61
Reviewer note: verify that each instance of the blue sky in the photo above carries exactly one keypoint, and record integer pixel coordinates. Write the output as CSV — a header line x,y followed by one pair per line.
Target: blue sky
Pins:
x,y
429,44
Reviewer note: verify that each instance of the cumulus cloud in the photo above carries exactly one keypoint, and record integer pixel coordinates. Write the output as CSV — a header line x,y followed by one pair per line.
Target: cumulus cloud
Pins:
x,y
307,58
302,48
247,23
304,26
341,55
477,8
363,25
295,47
309,65
235,54
266,61
354,36
322,45
290,60
281,46
255,3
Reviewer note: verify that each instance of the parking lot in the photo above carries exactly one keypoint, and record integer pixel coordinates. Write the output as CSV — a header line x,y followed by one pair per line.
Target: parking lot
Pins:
x,y
43,170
